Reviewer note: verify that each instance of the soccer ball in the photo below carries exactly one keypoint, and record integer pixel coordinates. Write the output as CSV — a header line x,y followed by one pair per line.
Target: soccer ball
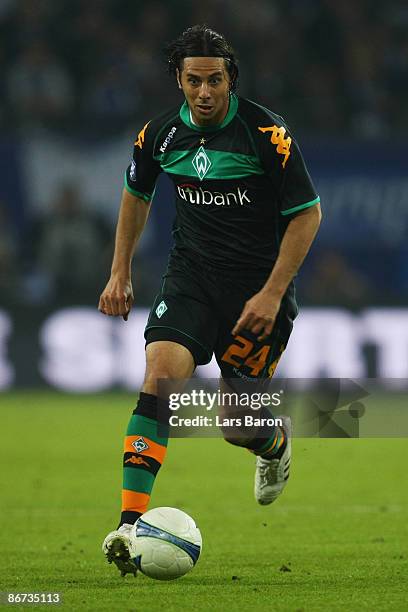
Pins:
x,y
167,543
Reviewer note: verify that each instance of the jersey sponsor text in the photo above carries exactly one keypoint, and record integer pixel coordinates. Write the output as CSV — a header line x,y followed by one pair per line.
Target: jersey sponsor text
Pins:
x,y
195,195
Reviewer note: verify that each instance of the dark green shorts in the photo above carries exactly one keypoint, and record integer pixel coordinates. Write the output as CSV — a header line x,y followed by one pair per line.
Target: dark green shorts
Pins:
x,y
197,306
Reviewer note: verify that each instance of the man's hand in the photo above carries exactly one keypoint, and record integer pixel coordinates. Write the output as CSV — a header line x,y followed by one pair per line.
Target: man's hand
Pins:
x,y
117,298
259,314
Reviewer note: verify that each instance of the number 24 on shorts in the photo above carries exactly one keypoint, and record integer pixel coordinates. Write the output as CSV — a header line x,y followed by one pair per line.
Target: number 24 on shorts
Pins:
x,y
256,362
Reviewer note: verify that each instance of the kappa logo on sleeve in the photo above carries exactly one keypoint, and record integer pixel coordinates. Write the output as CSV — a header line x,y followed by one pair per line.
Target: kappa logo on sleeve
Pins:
x,y
278,139
141,136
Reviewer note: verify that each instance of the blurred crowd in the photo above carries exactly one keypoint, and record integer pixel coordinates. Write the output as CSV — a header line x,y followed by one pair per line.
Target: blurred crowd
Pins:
x,y
63,255
329,66
333,68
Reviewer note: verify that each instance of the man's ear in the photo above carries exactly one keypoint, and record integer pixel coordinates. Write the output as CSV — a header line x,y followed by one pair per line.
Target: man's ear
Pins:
x,y
178,75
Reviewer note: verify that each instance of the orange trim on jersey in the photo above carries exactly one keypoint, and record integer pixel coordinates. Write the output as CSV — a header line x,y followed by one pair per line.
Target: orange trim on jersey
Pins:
x,y
141,136
278,138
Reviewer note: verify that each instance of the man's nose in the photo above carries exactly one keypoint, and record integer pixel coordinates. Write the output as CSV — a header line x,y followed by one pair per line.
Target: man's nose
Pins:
x,y
204,93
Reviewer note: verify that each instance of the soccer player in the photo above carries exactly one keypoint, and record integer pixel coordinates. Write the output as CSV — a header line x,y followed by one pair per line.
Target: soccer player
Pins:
x,y
247,214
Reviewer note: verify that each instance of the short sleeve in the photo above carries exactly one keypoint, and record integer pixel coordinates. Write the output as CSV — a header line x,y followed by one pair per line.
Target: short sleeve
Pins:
x,y
142,172
284,165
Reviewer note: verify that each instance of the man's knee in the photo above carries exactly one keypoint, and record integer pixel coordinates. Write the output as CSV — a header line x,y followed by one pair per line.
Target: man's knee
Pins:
x,y
155,375
166,361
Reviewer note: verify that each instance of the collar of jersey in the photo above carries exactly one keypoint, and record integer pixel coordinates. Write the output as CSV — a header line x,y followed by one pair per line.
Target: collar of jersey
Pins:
x,y
232,111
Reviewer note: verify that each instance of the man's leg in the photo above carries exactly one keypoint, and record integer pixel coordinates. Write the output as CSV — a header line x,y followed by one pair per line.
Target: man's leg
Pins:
x,y
247,363
265,441
242,357
144,449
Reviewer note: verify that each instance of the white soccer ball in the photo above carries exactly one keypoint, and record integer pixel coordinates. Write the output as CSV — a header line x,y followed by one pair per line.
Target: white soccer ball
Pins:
x,y
166,543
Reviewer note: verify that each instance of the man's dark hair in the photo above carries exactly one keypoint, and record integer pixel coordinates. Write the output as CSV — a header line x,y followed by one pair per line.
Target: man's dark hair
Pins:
x,y
201,41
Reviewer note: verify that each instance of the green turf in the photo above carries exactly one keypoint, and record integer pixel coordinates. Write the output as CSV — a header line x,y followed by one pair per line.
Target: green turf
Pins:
x,y
340,527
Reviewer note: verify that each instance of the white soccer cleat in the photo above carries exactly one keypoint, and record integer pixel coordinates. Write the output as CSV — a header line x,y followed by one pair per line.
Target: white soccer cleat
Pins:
x,y
118,547
271,475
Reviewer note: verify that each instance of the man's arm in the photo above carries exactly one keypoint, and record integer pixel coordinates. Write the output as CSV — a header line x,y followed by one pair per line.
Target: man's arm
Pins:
x,y
260,311
117,297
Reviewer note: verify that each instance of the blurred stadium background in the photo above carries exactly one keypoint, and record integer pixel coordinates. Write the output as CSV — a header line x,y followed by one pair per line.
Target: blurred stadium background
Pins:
x,y
79,79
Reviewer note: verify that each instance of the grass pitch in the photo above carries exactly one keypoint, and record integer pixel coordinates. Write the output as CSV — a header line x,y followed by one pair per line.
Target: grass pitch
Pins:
x,y
336,539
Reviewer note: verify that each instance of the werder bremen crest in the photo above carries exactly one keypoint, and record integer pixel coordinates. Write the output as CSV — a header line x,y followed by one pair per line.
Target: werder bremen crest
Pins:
x,y
201,163
161,309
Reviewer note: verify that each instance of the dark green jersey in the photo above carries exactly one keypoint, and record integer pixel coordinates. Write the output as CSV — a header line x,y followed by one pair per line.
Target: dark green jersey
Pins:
x,y
237,185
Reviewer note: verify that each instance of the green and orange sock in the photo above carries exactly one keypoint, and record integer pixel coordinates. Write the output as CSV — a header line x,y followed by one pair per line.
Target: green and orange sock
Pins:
x,y
270,442
273,447
144,453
